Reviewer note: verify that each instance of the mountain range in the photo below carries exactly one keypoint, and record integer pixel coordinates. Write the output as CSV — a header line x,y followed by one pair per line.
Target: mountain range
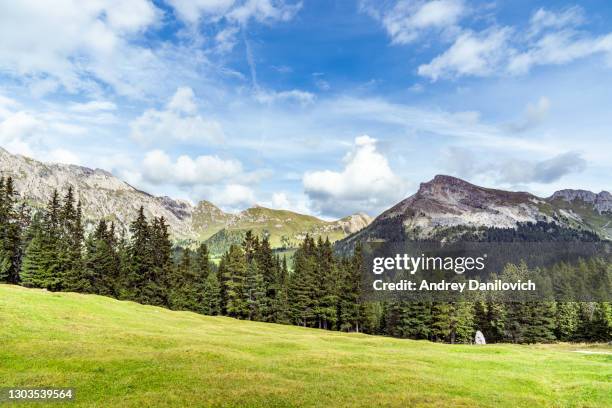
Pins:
x,y
445,205
103,195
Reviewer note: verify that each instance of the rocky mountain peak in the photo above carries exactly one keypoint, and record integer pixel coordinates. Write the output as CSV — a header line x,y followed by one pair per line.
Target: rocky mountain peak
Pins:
x,y
602,202
444,188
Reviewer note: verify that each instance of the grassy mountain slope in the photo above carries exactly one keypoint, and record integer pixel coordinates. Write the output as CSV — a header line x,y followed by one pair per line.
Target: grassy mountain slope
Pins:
x,y
284,229
124,354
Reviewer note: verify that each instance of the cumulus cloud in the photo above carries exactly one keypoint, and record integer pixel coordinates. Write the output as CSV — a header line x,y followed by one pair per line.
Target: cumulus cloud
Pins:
x,y
234,196
178,121
183,101
552,38
159,168
407,20
366,183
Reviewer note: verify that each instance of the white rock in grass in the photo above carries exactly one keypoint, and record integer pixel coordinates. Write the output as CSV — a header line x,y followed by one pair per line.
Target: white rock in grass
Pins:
x,y
479,338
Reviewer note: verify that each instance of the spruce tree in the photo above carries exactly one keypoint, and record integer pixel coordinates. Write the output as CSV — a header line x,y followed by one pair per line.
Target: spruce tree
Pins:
x,y
234,277
302,285
140,259
566,320
211,296
255,291
102,262
11,231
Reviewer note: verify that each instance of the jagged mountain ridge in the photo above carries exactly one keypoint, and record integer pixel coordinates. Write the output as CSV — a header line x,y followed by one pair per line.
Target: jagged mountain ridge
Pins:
x,y
103,195
447,202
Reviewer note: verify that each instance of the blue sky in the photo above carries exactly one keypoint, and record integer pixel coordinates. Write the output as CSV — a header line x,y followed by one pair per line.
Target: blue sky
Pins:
x,y
316,106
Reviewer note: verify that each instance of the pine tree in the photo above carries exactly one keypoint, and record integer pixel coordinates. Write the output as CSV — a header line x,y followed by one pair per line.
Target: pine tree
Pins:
x,y
211,296
413,320
255,291
159,271
187,284
33,271
302,285
327,286
234,276
75,277
540,322
11,231
496,321
462,323
42,263
281,299
140,259
441,315
566,321
269,269
601,323
102,262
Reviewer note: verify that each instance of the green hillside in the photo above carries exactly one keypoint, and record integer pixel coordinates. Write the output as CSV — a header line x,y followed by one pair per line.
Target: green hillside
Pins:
x,y
284,229
124,354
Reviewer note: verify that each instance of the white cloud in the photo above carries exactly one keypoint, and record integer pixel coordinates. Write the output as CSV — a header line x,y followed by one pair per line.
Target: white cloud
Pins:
x,y
183,101
472,53
158,168
407,20
195,11
560,47
264,10
19,126
62,156
68,42
535,113
226,39
553,38
93,107
366,183
233,196
544,19
302,97
511,171
179,121
192,11
280,200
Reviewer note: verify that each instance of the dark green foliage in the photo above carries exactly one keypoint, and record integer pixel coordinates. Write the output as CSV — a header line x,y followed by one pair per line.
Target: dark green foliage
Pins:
x,y
233,272
211,296
103,261
13,220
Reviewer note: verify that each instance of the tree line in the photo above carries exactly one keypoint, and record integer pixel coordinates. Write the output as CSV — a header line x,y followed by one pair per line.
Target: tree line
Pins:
x,y
50,249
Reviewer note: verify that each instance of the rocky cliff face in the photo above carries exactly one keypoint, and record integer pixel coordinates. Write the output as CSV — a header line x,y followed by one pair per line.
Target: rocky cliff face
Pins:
x,y
103,195
602,202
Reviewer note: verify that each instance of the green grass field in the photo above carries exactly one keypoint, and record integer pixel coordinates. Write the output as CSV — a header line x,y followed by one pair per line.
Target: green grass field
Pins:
x,y
121,354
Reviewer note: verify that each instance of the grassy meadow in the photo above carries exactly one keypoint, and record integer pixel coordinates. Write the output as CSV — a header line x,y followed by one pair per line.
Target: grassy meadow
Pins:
x,y
122,354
